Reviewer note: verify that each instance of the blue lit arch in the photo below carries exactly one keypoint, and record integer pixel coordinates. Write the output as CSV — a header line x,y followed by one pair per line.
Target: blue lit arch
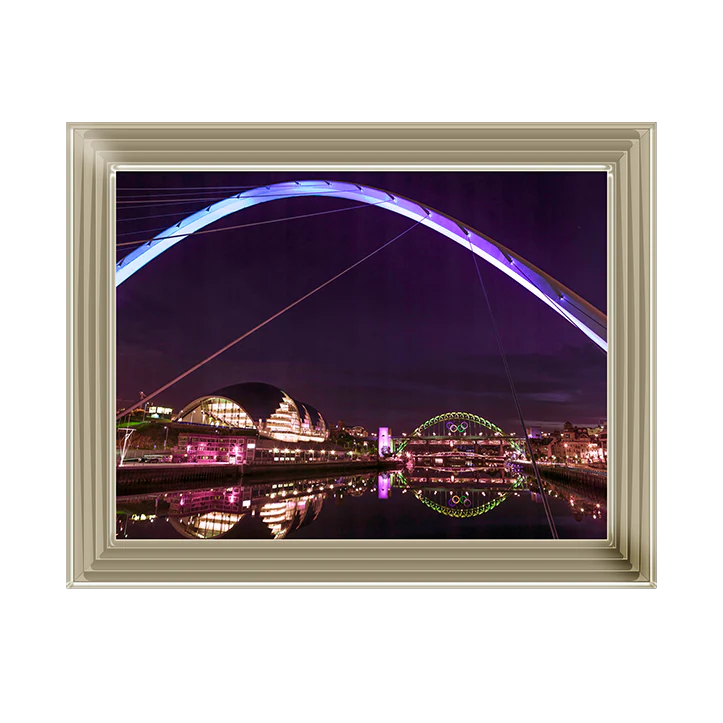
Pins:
x,y
591,321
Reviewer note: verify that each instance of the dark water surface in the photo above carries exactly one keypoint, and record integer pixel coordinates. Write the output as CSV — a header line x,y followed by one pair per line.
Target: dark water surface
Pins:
x,y
387,506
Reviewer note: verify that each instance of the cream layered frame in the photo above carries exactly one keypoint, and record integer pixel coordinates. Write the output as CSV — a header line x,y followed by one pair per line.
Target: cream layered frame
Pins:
x,y
96,151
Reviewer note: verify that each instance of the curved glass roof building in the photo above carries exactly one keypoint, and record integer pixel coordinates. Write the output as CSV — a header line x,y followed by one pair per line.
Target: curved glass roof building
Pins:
x,y
261,407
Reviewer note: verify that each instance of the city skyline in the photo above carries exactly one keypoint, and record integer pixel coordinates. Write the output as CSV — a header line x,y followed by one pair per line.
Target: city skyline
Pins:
x,y
402,337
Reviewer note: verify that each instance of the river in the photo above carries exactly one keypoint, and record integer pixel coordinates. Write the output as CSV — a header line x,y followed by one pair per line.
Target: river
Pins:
x,y
390,505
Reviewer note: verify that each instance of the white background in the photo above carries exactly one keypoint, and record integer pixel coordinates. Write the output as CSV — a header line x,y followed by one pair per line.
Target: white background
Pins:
x,y
131,655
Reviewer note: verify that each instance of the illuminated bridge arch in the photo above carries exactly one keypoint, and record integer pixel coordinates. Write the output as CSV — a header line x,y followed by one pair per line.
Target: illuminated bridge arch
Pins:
x,y
591,321
457,420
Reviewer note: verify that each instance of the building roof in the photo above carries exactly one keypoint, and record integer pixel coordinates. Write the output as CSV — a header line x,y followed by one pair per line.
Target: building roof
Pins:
x,y
314,413
260,400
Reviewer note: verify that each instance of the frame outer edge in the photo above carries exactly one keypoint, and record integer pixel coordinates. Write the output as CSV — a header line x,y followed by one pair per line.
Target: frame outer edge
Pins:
x,y
91,150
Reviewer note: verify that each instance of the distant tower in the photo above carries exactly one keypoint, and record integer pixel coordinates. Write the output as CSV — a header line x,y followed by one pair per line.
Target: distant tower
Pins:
x,y
386,446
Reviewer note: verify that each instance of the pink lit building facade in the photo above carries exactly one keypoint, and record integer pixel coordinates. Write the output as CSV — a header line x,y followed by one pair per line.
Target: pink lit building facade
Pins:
x,y
208,448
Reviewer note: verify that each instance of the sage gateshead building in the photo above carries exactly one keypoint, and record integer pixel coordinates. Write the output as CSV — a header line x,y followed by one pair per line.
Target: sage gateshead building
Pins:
x,y
259,407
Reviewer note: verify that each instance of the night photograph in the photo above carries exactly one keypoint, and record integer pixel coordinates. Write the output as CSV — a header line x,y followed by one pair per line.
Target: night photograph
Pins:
x,y
366,355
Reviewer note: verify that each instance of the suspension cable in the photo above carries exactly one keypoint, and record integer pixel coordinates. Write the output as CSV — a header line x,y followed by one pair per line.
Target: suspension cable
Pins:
x,y
213,201
160,193
145,399
545,502
165,189
211,197
248,225
143,218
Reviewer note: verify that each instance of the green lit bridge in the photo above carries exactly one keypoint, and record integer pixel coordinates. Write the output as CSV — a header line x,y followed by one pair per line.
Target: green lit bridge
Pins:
x,y
457,439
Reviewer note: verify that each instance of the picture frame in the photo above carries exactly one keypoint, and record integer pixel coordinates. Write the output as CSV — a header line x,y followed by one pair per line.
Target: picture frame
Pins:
x,y
97,151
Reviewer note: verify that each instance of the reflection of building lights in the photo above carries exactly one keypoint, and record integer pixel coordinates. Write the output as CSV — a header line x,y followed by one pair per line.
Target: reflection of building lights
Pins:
x,y
205,525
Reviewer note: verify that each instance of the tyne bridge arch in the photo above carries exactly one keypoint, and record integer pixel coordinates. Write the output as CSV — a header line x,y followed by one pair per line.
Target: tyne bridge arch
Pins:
x,y
455,424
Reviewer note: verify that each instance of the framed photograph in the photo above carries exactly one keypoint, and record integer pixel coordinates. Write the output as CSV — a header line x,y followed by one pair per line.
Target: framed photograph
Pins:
x,y
361,355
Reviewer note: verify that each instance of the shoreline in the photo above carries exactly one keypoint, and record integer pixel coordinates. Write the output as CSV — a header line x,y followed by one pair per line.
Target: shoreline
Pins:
x,y
148,478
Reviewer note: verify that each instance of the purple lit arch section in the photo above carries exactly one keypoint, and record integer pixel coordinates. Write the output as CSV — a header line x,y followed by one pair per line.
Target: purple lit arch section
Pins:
x,y
591,321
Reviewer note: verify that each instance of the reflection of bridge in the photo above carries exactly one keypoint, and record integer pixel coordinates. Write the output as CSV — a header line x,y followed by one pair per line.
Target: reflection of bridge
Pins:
x,y
471,499
277,510
442,479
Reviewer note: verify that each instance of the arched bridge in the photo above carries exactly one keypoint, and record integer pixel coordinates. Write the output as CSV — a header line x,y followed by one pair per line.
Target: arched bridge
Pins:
x,y
591,321
456,426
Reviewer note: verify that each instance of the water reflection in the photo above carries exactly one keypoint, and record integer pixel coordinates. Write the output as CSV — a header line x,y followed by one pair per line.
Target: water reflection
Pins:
x,y
584,500
254,511
466,496
387,505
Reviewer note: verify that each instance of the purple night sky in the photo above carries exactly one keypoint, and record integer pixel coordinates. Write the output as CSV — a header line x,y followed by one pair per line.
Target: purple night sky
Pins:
x,y
401,338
